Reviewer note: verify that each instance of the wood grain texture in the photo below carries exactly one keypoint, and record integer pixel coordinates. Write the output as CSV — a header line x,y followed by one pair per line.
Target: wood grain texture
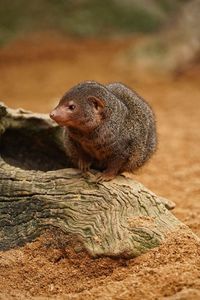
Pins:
x,y
117,218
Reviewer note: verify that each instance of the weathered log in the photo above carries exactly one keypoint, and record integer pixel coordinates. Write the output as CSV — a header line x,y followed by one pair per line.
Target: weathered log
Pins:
x,y
39,189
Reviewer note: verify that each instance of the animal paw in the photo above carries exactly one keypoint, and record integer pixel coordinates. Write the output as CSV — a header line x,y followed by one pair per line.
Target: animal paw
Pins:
x,y
104,176
83,165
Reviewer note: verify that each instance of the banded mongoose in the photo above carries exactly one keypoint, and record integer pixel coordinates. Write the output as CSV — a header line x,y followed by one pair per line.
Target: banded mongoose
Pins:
x,y
106,127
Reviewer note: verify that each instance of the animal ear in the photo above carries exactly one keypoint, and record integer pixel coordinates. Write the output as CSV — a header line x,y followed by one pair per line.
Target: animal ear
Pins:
x,y
98,103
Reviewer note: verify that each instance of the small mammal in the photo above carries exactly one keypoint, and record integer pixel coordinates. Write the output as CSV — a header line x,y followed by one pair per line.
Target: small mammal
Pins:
x,y
108,127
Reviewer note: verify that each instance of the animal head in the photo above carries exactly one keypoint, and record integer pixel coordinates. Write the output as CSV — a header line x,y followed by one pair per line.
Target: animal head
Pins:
x,y
82,107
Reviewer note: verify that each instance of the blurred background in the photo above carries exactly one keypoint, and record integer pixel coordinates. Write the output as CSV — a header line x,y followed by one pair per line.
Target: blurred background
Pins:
x,y
46,46
153,46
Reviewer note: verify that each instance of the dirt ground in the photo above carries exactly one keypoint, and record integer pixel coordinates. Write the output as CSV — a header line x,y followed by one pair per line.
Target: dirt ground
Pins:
x,y
34,73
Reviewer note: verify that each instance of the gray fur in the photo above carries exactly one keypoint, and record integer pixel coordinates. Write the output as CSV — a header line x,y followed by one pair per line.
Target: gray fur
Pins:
x,y
124,139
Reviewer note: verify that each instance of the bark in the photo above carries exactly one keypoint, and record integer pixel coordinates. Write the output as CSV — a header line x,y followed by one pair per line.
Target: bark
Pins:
x,y
39,189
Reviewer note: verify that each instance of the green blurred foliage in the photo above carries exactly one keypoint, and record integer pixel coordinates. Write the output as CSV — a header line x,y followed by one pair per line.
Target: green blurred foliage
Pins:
x,y
80,17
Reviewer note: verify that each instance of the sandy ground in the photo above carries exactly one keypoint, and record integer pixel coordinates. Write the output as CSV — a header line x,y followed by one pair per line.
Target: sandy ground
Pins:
x,y
34,74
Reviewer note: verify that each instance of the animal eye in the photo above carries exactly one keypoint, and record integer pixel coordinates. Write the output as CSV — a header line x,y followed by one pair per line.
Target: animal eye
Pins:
x,y
71,106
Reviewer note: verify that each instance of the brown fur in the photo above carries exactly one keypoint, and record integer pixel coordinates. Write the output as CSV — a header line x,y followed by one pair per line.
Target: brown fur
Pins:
x,y
111,128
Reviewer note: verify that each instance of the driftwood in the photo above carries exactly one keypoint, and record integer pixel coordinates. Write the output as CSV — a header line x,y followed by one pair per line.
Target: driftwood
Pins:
x,y
39,189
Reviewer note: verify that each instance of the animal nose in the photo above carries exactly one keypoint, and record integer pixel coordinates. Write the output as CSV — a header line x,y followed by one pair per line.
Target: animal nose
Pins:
x,y
52,114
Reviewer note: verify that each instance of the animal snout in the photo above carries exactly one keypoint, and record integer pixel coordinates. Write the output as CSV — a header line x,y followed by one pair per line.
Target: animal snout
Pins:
x,y
52,114
58,116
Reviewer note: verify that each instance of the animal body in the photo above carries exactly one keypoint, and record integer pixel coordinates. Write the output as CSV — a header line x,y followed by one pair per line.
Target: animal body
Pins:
x,y
107,127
